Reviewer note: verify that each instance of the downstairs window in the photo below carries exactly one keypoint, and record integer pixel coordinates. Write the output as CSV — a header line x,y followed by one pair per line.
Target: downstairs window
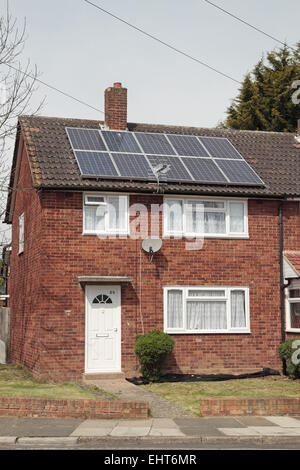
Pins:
x,y
206,310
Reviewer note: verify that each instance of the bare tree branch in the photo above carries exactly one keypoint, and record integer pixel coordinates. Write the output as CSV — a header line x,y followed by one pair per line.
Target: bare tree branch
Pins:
x,y
17,85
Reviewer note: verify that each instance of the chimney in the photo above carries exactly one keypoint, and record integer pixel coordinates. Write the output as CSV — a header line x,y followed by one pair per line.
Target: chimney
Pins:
x,y
116,107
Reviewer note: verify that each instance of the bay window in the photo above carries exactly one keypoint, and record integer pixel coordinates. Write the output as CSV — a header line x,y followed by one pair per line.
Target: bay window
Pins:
x,y
201,217
206,310
105,214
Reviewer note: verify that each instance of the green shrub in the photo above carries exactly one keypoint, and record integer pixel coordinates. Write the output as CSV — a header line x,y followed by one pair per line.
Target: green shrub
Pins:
x,y
286,352
151,349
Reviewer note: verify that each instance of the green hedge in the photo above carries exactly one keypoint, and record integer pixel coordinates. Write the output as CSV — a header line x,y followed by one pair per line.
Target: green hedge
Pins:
x,y
289,351
151,349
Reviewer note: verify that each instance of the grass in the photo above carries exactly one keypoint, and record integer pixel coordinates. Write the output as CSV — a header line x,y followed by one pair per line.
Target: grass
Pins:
x,y
188,394
17,381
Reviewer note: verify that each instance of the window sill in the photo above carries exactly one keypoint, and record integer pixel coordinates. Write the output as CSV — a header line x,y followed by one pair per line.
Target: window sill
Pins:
x,y
203,237
107,234
209,332
292,330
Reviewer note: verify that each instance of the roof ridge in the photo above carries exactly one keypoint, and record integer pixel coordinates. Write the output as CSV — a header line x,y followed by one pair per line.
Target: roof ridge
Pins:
x,y
174,126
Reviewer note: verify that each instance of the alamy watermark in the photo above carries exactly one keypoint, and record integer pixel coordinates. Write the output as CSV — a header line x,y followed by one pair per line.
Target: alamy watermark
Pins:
x,y
296,354
296,95
145,222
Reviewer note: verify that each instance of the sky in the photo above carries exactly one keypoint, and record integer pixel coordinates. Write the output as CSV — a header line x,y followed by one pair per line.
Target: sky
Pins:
x,y
82,51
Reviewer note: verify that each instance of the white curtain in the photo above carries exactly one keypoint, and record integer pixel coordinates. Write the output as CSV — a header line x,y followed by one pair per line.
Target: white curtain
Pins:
x,y
236,217
175,309
94,220
206,315
174,216
117,212
214,222
238,311
194,217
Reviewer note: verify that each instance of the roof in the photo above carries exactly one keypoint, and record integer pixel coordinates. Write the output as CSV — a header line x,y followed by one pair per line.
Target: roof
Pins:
x,y
293,258
53,165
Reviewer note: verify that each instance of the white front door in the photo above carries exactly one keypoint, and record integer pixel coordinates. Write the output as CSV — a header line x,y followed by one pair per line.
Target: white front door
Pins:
x,y
103,329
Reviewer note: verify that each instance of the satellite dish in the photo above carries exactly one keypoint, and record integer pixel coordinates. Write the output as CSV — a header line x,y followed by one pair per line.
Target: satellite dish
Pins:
x,y
151,246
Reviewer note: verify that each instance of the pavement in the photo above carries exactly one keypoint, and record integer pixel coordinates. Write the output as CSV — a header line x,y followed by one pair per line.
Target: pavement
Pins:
x,y
34,431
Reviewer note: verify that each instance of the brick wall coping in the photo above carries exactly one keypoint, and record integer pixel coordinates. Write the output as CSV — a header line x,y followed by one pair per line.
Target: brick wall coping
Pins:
x,y
250,406
72,408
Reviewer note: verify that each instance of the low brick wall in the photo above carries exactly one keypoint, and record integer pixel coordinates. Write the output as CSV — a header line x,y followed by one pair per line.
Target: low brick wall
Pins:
x,y
69,408
249,406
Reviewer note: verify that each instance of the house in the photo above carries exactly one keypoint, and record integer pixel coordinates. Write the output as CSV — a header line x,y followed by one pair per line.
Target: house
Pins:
x,y
225,284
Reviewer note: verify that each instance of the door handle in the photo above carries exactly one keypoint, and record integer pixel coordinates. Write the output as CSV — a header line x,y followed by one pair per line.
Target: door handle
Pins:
x,y
99,335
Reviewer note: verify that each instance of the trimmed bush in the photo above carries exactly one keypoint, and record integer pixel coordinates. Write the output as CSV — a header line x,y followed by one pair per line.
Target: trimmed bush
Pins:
x,y
291,356
151,349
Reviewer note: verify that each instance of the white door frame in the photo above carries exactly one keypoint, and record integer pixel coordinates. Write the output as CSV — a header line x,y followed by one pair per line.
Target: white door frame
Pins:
x,y
119,358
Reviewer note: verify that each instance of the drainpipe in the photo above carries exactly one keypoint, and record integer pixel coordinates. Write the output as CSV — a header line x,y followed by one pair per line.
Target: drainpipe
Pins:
x,y
282,285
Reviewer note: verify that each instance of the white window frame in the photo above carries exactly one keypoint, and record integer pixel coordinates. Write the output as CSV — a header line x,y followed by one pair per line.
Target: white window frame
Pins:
x,y
21,233
288,301
106,231
227,298
185,233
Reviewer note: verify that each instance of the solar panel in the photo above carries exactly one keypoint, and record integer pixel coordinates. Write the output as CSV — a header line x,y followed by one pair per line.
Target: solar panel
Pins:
x,y
85,139
204,169
219,147
187,145
239,172
156,144
133,165
121,141
129,155
95,163
177,171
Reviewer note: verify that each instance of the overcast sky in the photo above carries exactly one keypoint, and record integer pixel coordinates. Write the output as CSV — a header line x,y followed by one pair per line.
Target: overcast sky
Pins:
x,y
82,51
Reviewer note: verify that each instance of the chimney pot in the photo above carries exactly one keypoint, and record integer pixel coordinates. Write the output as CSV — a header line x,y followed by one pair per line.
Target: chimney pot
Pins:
x,y
116,107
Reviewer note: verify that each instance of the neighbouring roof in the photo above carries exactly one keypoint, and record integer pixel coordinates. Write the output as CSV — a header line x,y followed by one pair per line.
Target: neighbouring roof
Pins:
x,y
271,154
293,259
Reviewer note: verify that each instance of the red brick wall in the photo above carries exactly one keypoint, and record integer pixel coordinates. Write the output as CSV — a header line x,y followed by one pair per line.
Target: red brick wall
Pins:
x,y
87,409
249,406
48,313
25,286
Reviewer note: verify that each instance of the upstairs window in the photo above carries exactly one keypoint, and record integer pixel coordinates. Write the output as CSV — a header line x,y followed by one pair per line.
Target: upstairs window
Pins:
x,y
201,217
206,310
103,214
21,233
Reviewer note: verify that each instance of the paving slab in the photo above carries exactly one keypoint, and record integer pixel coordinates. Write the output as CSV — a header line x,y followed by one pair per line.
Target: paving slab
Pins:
x,y
197,427
223,422
167,432
130,431
95,427
239,431
254,421
135,423
276,431
284,421
38,427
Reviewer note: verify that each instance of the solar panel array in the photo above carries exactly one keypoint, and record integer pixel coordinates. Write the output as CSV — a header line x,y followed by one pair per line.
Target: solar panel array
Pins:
x,y
135,155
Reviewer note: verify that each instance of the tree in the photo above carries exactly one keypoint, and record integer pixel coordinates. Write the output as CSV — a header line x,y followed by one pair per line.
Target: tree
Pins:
x,y
265,100
17,85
